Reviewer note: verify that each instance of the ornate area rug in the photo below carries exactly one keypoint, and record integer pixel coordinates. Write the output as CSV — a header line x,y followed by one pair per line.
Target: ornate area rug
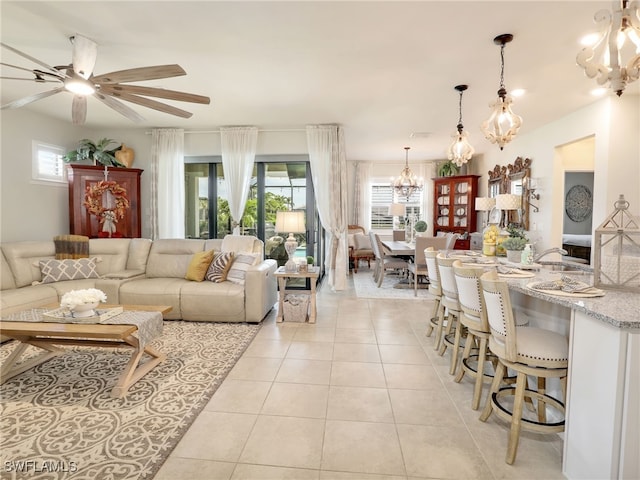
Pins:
x,y
391,287
58,420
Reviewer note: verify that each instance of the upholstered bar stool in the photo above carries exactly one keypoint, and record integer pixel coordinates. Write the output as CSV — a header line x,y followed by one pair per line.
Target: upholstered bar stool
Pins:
x,y
451,303
529,351
473,315
430,255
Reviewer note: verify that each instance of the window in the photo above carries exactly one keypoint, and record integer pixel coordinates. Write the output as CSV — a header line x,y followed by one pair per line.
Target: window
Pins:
x,y
381,197
47,164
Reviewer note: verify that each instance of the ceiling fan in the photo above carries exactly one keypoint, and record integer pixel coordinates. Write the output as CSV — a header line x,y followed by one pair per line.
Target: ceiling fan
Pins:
x,y
109,88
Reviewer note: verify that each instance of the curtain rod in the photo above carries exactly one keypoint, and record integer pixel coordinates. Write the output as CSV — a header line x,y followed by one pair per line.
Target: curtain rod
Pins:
x,y
269,130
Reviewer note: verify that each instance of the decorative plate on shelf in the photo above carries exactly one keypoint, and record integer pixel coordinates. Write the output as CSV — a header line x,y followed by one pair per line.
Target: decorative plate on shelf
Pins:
x,y
578,203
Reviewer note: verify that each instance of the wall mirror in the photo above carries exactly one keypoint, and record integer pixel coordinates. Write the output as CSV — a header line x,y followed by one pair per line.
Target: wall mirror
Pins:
x,y
497,181
518,176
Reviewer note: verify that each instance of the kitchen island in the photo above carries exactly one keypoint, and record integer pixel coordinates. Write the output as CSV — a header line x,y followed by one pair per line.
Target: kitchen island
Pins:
x,y
602,428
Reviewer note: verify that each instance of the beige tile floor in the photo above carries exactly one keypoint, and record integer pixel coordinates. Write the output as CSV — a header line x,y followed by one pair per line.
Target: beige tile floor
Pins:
x,y
359,395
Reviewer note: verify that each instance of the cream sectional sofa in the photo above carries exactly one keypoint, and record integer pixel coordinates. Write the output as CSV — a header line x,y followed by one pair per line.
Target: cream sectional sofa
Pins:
x,y
139,271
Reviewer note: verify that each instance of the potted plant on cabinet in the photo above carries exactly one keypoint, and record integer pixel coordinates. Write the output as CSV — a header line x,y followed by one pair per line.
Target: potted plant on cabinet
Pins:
x,y
448,169
99,152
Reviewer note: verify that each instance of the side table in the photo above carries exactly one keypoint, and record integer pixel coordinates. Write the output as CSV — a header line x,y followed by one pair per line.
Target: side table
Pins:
x,y
282,275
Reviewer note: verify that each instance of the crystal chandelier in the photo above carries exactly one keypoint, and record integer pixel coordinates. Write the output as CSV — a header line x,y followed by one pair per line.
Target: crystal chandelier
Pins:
x,y
460,151
503,124
618,39
407,182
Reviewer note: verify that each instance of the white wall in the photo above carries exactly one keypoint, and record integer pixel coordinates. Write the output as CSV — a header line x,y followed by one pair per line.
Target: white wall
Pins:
x,y
614,123
30,210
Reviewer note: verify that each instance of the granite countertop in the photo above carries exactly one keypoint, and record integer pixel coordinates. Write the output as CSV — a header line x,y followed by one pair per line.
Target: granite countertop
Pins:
x,y
618,308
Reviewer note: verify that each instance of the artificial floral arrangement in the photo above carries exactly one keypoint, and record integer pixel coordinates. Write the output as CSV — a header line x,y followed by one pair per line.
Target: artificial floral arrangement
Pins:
x,y
108,217
75,298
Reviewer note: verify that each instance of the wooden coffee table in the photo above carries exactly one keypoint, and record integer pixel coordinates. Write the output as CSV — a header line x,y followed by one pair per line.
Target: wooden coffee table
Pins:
x,y
48,335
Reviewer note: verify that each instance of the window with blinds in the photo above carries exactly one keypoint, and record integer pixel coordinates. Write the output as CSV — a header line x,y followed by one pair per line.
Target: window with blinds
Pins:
x,y
381,197
47,165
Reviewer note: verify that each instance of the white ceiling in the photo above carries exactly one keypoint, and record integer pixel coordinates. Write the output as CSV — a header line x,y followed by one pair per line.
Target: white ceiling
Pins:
x,y
383,70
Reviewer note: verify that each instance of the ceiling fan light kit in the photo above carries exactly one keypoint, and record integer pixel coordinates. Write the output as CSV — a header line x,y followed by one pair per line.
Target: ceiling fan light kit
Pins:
x,y
109,88
502,125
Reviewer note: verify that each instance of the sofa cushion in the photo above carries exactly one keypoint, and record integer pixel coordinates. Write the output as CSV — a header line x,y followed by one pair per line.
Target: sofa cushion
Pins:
x,y
23,259
113,253
139,253
241,264
6,277
60,270
242,244
199,265
23,298
207,301
169,258
156,291
219,267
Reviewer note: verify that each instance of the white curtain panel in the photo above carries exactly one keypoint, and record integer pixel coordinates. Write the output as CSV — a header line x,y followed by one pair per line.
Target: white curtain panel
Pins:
x,y
329,173
238,155
364,171
355,216
167,183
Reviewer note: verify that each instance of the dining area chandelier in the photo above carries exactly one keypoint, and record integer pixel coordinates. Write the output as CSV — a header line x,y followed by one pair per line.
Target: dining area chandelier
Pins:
x,y
407,183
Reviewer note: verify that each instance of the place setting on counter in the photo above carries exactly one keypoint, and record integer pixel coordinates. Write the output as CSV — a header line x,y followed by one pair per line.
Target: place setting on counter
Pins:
x,y
567,287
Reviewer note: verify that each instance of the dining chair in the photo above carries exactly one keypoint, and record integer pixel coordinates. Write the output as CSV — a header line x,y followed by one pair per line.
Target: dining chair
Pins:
x,y
418,267
529,351
384,261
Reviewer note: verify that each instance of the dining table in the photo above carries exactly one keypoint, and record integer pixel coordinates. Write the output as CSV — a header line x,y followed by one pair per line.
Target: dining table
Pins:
x,y
399,248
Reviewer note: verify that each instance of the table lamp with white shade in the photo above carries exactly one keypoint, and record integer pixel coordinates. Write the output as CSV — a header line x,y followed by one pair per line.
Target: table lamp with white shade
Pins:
x,y
396,210
485,204
508,201
292,222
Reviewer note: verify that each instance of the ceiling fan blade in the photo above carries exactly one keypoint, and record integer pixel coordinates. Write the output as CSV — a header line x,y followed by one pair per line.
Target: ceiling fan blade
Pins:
x,y
84,55
147,102
139,74
34,60
37,80
158,92
32,98
119,107
79,109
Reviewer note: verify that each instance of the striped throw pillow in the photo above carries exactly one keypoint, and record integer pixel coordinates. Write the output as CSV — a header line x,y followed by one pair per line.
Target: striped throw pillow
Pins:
x,y
219,267
241,264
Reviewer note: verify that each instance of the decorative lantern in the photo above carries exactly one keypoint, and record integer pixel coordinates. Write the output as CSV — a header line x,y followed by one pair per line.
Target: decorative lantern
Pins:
x,y
617,250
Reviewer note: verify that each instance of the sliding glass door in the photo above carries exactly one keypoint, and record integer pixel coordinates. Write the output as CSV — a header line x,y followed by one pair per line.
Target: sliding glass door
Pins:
x,y
278,183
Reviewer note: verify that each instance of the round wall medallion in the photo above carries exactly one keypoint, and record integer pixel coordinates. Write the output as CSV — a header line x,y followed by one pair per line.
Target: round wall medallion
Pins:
x,y
578,203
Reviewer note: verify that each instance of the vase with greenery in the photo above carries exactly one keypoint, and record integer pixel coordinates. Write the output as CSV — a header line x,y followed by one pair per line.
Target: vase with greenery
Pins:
x,y
514,247
101,152
448,169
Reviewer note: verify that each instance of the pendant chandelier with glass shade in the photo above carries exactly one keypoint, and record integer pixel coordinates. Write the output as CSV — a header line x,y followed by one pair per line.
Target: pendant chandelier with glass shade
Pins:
x,y
613,54
407,183
503,125
460,151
